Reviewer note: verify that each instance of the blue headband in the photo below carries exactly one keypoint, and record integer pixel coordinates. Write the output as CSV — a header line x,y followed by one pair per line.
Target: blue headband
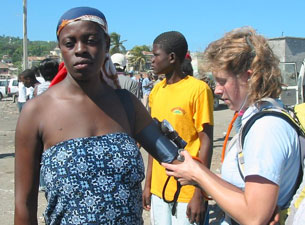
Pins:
x,y
82,13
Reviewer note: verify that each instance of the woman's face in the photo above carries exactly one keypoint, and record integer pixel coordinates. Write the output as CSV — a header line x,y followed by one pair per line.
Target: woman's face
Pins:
x,y
83,47
232,89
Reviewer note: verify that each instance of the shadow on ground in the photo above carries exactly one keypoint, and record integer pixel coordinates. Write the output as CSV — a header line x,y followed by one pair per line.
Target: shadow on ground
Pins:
x,y
7,155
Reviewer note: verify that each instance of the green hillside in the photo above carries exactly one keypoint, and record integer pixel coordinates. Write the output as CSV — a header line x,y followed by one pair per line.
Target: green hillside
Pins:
x,y
12,48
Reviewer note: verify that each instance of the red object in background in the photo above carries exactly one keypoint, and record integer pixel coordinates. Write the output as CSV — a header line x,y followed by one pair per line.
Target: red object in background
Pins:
x,y
188,56
62,73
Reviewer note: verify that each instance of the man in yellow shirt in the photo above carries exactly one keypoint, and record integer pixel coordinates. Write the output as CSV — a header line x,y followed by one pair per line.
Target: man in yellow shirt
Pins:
x,y
187,103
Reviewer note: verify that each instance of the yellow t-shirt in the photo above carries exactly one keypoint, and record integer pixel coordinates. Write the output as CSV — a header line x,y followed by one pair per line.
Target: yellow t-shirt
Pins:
x,y
187,105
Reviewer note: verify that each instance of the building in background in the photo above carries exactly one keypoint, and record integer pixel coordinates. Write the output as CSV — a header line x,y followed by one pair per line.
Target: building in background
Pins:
x,y
289,49
4,68
291,53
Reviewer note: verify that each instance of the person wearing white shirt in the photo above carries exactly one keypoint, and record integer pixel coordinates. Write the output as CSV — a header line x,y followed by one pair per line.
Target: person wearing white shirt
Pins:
x,y
21,95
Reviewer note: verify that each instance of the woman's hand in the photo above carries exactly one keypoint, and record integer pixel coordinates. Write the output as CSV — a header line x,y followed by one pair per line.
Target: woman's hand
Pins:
x,y
184,172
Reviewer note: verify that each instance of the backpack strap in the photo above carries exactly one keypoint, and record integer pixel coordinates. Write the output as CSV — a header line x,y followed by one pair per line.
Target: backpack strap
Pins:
x,y
245,129
127,103
271,101
269,112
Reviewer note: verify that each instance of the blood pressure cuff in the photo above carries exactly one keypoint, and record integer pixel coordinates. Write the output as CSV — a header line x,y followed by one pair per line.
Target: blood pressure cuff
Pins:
x,y
157,144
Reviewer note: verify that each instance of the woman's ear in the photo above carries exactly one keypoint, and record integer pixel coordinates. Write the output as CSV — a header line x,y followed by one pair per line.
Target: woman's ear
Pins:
x,y
245,76
249,74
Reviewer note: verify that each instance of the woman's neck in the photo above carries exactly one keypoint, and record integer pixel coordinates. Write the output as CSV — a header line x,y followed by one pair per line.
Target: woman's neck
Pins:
x,y
87,87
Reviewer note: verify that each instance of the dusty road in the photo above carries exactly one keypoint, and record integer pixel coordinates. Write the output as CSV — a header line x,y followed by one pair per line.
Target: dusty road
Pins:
x,y
8,120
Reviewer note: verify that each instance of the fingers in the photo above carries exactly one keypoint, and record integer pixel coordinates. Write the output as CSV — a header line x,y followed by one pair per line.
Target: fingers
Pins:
x,y
146,199
193,217
166,165
197,218
202,214
146,207
183,181
146,203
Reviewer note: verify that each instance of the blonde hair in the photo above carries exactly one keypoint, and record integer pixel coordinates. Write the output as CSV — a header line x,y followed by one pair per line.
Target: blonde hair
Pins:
x,y
241,50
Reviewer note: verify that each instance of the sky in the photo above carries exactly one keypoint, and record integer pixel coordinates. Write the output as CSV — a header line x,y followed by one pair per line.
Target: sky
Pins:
x,y
139,22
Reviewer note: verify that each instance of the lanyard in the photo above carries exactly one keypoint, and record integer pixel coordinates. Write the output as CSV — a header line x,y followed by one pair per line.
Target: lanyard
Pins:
x,y
227,136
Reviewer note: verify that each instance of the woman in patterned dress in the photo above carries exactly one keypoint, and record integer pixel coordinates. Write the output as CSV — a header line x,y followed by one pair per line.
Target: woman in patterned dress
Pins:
x,y
79,135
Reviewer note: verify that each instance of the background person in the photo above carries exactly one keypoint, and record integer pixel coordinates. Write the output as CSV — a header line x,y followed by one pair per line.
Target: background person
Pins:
x,y
48,69
119,61
187,103
29,80
147,85
246,71
22,96
140,80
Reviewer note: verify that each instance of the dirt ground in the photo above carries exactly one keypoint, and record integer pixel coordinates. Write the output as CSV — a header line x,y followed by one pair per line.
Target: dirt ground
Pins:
x,y
8,119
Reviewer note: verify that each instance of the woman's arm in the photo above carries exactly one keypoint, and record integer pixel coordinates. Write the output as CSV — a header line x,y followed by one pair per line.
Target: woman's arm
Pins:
x,y
255,205
142,117
28,150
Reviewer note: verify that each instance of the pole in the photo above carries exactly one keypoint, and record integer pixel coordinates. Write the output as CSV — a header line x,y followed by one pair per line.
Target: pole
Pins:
x,y
25,36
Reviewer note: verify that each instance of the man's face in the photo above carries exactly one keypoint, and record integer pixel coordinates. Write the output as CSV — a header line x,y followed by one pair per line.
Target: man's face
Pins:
x,y
83,47
25,81
161,60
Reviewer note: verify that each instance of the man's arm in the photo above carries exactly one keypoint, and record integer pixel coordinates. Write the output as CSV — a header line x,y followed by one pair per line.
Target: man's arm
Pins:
x,y
206,145
146,196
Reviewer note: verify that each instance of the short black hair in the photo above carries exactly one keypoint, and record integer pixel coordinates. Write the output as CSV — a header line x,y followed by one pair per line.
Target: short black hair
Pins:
x,y
173,41
48,68
28,73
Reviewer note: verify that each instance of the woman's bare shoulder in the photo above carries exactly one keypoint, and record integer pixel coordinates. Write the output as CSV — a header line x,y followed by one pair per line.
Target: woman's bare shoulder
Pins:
x,y
35,108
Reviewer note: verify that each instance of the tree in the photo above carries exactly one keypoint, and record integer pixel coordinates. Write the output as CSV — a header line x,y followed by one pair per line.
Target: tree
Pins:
x,y
12,48
17,55
137,58
116,45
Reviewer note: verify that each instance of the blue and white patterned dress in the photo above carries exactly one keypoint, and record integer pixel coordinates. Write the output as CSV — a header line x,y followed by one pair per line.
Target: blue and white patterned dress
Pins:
x,y
94,180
